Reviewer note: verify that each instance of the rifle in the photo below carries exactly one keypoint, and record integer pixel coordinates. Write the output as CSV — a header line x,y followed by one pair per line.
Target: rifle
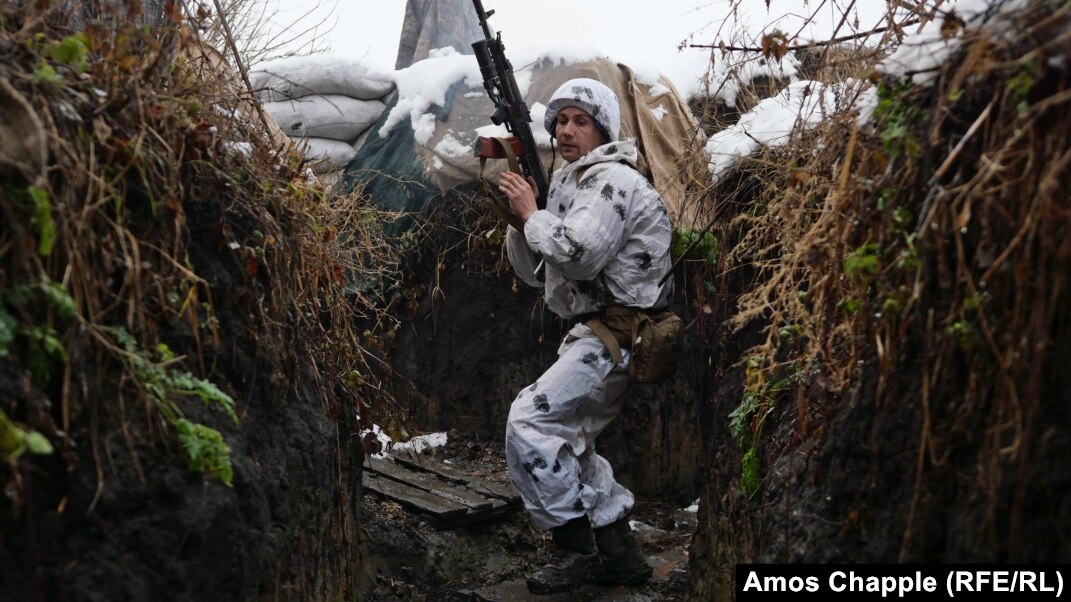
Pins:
x,y
510,109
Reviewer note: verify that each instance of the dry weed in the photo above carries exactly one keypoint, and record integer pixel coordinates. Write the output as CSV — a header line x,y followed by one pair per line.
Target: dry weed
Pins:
x,y
932,247
159,189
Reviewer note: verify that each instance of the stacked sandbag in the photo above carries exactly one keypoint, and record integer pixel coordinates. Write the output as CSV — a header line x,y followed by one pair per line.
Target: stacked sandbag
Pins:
x,y
327,104
422,149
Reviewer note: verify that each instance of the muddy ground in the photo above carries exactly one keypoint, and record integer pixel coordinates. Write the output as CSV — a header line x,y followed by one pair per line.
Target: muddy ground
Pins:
x,y
413,560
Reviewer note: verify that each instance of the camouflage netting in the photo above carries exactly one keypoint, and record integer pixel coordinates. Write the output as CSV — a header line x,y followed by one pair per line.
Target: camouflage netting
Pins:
x,y
408,176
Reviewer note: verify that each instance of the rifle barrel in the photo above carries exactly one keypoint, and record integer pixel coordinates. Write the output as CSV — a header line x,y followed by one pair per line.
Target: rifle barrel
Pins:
x,y
510,108
483,19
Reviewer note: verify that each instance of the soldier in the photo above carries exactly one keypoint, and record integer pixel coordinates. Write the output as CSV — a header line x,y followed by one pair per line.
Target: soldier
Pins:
x,y
603,238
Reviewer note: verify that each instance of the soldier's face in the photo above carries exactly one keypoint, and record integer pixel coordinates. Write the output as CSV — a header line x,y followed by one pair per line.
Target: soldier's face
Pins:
x,y
576,133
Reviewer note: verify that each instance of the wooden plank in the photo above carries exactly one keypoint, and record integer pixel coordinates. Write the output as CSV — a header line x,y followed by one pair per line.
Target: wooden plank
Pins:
x,y
430,483
498,490
413,497
459,520
507,495
442,513
449,498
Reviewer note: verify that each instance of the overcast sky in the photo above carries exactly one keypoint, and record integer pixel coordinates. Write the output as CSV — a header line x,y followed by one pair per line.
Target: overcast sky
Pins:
x,y
647,31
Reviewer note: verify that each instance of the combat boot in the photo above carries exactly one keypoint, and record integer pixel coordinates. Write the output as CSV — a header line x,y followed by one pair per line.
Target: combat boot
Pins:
x,y
575,559
620,559
575,536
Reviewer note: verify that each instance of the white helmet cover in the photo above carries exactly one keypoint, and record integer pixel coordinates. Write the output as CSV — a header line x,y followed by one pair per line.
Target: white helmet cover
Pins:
x,y
590,96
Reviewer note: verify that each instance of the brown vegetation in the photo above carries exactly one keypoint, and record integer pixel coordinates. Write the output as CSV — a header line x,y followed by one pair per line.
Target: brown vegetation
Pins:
x,y
895,316
174,292
878,322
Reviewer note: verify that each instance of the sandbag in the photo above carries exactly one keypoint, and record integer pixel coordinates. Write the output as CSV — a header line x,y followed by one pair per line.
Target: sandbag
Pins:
x,y
330,116
299,76
325,154
652,112
420,151
357,144
222,82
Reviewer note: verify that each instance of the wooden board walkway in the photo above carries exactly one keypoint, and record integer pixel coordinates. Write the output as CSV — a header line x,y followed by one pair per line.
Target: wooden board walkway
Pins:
x,y
449,497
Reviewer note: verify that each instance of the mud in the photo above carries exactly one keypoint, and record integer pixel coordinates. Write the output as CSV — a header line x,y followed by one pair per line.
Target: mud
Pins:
x,y
412,560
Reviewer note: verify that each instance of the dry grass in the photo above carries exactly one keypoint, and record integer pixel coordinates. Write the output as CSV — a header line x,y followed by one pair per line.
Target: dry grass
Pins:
x,y
931,247
151,185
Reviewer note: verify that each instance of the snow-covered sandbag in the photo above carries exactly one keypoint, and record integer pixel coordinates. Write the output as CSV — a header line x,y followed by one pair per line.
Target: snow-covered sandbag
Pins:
x,y
427,132
331,116
326,154
298,76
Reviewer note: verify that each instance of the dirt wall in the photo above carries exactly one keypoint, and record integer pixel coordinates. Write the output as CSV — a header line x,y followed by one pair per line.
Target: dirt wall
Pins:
x,y
478,336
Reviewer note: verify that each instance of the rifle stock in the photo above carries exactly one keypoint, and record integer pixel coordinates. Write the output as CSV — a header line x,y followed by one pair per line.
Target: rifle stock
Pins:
x,y
510,108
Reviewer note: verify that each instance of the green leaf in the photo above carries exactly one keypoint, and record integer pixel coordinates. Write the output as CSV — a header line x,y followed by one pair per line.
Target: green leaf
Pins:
x,y
740,418
71,50
706,246
42,220
125,339
11,437
354,379
207,391
53,346
850,306
863,260
749,471
37,443
8,326
46,351
205,450
47,75
58,296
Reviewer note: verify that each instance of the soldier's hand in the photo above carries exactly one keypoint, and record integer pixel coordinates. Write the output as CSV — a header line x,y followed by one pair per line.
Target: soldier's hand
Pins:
x,y
521,193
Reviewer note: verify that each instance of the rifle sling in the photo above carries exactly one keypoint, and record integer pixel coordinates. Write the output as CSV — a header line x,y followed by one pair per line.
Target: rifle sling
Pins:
x,y
622,335
502,209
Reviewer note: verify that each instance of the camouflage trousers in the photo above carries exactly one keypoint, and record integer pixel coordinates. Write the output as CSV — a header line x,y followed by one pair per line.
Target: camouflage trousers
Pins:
x,y
551,431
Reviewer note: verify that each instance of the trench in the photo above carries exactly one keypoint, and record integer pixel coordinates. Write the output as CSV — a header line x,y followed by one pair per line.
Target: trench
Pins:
x,y
475,338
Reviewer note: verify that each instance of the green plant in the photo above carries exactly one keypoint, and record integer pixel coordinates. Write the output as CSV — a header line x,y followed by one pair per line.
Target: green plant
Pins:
x,y
42,221
891,306
45,74
962,332
45,347
8,327
17,439
909,260
58,297
884,197
897,118
72,51
353,379
790,333
973,302
749,471
862,261
747,420
1020,84
705,245
205,448
46,351
850,306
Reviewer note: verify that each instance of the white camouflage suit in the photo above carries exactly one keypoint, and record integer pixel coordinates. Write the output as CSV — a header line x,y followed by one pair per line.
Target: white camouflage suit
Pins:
x,y
606,236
